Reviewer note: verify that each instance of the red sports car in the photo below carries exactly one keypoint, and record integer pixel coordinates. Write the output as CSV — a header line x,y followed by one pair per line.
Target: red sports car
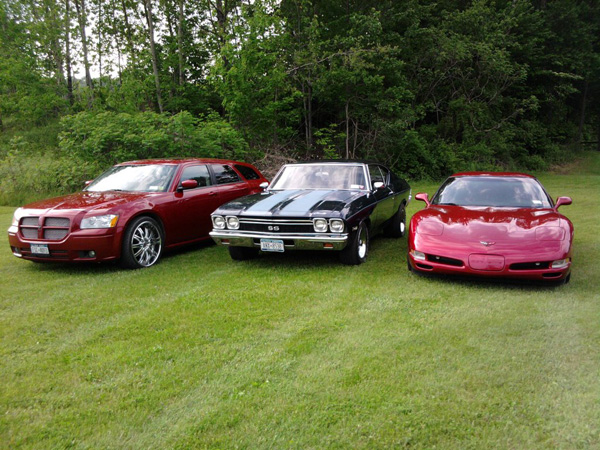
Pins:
x,y
132,212
492,225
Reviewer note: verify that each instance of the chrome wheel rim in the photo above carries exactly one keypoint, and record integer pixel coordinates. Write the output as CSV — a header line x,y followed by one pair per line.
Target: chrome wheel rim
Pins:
x,y
362,243
146,244
402,227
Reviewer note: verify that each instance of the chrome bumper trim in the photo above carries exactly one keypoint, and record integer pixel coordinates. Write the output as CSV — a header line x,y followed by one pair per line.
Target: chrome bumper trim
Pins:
x,y
307,241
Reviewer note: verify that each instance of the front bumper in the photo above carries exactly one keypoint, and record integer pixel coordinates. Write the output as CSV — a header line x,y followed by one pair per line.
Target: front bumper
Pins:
x,y
292,241
430,265
75,247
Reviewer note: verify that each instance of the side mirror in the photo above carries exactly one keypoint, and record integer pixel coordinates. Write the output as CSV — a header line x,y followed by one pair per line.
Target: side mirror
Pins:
x,y
187,184
378,185
423,197
87,183
562,201
264,185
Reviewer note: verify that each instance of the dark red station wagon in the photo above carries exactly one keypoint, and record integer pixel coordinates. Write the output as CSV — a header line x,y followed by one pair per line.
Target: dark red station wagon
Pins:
x,y
132,212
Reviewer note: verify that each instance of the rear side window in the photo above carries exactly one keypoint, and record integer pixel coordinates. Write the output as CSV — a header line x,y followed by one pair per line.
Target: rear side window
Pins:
x,y
376,175
247,172
225,174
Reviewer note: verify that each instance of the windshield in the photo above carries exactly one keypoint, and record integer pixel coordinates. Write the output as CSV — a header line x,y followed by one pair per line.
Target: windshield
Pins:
x,y
320,176
507,192
136,178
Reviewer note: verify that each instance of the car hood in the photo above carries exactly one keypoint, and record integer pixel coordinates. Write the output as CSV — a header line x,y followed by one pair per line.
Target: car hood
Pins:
x,y
292,203
461,224
85,201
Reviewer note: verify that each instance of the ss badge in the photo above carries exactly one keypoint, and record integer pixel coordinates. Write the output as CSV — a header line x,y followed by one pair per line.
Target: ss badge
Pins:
x,y
273,228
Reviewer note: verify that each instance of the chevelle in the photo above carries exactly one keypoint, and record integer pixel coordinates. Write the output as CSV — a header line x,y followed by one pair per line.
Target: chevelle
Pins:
x,y
492,225
319,205
132,212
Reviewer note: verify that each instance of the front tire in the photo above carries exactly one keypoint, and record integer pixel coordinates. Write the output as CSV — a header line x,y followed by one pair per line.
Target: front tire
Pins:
x,y
242,253
357,249
142,243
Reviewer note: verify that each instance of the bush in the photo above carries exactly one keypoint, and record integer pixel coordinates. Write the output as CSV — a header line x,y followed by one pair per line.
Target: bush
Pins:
x,y
108,138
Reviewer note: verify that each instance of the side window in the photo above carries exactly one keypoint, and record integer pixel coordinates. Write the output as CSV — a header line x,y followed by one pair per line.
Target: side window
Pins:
x,y
198,173
376,175
247,172
386,175
224,174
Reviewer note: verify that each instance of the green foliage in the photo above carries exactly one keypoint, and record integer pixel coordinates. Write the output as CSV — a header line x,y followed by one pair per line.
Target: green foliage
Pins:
x,y
107,138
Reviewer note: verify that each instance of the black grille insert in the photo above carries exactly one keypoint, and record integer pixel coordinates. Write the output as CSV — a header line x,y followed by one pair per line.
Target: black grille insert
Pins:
x,y
444,260
531,265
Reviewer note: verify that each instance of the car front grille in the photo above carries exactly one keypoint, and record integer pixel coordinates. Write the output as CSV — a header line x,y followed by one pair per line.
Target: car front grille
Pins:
x,y
277,225
530,265
444,260
52,228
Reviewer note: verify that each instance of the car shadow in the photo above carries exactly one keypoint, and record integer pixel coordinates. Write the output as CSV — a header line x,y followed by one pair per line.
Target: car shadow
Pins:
x,y
507,283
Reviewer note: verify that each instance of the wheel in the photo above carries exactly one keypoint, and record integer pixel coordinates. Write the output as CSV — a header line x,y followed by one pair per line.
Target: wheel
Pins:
x,y
358,248
142,243
242,253
410,269
397,226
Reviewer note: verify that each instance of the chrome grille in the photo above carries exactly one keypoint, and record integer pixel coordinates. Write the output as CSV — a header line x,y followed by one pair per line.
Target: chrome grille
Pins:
x,y
277,225
29,233
54,235
53,228
57,222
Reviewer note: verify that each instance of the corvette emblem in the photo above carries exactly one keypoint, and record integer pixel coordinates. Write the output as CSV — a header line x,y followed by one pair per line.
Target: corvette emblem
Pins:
x,y
486,243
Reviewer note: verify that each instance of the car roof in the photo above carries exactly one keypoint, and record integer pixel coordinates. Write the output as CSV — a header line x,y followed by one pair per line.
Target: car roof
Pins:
x,y
337,161
181,161
492,174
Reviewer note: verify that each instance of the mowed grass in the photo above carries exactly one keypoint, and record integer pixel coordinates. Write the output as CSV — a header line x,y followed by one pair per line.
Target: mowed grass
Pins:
x,y
299,351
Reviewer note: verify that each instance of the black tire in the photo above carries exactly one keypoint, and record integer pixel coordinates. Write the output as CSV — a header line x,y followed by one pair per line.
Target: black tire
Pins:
x,y
356,251
242,253
410,268
397,226
142,243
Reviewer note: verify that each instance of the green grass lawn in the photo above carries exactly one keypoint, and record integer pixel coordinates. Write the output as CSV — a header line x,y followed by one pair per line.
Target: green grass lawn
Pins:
x,y
299,351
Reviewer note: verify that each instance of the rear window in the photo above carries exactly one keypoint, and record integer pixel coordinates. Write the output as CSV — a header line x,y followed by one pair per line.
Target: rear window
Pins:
x,y
247,172
225,174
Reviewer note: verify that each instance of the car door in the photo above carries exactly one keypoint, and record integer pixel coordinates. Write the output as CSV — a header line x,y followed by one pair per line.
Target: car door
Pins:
x,y
384,196
228,183
189,215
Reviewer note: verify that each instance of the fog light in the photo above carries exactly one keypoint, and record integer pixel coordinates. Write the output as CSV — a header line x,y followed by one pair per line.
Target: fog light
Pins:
x,y
560,263
419,256
92,254
327,245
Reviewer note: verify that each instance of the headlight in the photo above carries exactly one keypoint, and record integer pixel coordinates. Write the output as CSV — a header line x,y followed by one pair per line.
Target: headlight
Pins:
x,y
420,256
560,263
320,225
233,223
336,225
218,222
16,217
106,221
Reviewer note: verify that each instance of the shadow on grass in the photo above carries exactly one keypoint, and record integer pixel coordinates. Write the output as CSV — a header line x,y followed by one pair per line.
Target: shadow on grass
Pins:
x,y
482,282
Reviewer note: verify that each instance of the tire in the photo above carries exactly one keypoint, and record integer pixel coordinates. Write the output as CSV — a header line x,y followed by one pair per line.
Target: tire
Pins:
x,y
242,253
356,251
408,266
142,243
397,226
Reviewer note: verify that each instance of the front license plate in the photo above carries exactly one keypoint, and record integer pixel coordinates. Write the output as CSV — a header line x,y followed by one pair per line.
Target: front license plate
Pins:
x,y
271,245
39,249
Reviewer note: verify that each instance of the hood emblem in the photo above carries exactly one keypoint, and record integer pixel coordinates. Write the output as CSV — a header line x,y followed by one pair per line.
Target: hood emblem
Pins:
x,y
487,243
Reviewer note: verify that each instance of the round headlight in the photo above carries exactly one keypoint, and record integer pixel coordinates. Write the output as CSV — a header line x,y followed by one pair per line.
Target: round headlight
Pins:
x,y
233,223
218,222
336,225
320,225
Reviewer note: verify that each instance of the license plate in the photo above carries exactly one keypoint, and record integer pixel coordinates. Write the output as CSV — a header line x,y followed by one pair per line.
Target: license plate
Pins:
x,y
271,245
39,249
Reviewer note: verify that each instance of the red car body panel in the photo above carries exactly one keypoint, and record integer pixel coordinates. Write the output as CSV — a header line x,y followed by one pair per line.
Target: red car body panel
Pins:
x,y
183,215
491,241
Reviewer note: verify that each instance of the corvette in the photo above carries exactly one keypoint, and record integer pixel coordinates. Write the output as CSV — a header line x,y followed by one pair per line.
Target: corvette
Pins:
x,y
492,225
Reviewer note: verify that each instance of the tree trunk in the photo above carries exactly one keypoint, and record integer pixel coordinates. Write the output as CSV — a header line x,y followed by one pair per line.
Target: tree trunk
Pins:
x,y
82,19
583,108
180,42
347,129
148,8
222,28
68,51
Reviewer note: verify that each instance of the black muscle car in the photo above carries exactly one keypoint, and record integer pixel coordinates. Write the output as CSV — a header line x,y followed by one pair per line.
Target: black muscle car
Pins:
x,y
316,205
